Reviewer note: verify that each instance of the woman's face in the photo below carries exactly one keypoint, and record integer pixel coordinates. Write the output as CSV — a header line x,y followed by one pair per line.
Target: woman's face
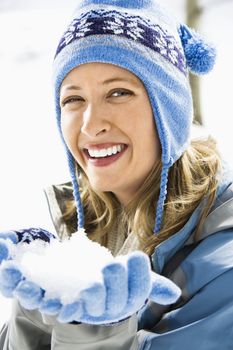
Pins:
x,y
108,126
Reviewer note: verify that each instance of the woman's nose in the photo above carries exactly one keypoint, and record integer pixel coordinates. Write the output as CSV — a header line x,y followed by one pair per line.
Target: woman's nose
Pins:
x,y
95,121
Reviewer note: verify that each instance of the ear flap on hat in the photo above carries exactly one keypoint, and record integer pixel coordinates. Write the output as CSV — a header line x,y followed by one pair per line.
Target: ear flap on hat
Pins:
x,y
200,55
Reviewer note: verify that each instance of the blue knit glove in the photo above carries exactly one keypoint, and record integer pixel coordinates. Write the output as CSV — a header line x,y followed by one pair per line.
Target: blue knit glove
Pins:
x,y
127,284
10,276
125,290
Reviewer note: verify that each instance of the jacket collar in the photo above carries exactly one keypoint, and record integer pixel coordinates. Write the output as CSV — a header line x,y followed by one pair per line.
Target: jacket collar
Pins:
x,y
219,218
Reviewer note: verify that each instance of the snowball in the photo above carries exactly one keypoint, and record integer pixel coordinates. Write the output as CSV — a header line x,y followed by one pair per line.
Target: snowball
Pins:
x,y
64,268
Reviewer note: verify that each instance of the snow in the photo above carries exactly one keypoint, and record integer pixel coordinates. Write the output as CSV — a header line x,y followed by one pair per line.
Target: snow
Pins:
x,y
31,153
63,269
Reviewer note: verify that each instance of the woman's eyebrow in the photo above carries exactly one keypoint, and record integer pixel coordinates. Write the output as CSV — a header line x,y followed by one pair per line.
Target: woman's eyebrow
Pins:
x,y
71,87
119,79
106,82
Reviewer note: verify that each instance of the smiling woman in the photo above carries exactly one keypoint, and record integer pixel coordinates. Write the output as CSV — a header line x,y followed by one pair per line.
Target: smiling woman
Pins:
x,y
108,126
138,182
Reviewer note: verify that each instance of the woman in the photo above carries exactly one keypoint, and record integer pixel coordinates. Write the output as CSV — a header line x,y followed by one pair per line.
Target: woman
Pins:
x,y
124,111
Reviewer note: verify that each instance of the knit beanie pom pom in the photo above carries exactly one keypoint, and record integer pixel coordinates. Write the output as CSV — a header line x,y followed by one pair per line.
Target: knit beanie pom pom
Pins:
x,y
200,55
136,4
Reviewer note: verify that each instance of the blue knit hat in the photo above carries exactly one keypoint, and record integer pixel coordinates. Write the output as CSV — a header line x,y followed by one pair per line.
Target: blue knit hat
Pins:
x,y
139,36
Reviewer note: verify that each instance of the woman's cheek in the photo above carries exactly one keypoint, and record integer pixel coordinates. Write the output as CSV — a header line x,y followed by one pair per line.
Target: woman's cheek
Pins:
x,y
69,126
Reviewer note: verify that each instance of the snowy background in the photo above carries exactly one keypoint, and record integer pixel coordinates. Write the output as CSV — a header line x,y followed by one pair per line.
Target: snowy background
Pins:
x,y
31,153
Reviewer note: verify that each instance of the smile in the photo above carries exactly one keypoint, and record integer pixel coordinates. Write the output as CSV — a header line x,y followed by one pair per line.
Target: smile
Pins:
x,y
105,152
105,156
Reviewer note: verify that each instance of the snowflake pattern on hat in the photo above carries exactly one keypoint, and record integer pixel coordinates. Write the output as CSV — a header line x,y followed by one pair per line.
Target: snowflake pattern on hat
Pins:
x,y
97,22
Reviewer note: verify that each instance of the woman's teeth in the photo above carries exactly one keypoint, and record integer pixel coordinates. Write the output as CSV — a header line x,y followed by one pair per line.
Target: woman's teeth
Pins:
x,y
105,151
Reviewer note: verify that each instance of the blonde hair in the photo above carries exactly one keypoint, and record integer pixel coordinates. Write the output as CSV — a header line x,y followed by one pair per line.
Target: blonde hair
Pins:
x,y
191,178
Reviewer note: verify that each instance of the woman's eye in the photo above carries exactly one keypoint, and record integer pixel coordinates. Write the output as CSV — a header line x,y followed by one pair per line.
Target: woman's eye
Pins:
x,y
120,93
72,99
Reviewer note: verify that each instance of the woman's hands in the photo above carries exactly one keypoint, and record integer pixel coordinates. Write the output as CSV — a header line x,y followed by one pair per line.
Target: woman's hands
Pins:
x,y
127,283
6,239
11,278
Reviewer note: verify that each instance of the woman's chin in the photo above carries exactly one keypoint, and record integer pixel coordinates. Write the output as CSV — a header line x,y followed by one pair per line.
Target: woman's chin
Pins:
x,y
100,187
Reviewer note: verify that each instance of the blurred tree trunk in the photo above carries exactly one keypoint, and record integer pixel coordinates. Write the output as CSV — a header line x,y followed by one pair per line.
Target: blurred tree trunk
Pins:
x,y
193,16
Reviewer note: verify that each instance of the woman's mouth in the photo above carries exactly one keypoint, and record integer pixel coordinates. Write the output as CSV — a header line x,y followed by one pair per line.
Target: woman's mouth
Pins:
x,y
106,155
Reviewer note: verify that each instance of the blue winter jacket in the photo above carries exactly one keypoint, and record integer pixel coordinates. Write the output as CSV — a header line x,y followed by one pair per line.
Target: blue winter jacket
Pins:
x,y
201,320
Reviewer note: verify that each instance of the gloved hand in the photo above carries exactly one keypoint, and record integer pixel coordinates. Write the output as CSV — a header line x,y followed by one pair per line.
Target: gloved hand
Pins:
x,y
10,275
126,286
6,239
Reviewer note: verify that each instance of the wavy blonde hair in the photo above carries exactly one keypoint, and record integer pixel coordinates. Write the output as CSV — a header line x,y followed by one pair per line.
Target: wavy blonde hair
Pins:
x,y
191,178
